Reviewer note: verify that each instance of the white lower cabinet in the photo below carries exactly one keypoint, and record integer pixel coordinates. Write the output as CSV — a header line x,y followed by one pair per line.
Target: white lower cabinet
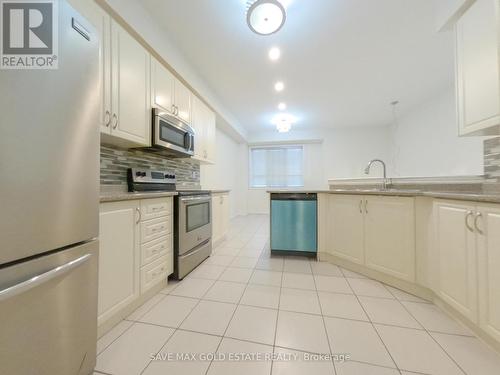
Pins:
x,y
375,231
488,239
346,227
455,243
220,216
118,257
390,236
136,251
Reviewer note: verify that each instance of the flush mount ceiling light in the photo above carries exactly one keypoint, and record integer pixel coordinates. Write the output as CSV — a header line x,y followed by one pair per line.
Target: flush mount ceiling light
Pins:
x,y
265,17
283,127
279,86
283,122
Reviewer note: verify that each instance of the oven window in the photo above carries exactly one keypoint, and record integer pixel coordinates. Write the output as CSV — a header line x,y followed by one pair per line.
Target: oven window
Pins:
x,y
171,135
197,215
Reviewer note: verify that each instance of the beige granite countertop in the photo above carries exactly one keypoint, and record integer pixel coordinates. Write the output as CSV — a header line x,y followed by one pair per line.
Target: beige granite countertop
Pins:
x,y
476,196
116,196
125,196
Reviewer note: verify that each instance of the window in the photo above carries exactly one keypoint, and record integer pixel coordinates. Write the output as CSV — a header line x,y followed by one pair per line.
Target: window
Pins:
x,y
276,166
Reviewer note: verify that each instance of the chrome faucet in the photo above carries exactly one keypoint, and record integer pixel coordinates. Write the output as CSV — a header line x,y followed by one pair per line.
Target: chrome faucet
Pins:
x,y
386,182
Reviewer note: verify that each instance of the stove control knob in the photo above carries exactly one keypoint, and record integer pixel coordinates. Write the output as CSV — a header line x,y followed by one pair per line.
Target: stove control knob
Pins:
x,y
138,174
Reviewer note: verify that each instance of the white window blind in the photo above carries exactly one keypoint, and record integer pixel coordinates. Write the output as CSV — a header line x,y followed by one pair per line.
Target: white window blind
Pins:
x,y
276,166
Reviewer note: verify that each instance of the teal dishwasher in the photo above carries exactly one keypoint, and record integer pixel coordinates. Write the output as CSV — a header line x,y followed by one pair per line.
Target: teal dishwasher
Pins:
x,y
294,224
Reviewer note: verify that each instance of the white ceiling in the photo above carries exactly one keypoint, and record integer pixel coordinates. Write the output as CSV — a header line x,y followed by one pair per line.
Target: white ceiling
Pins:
x,y
343,61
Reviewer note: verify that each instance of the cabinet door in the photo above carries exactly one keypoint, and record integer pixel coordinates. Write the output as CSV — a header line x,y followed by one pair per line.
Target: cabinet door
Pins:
x,y
183,101
390,236
210,133
346,227
224,198
216,218
198,125
130,88
489,266
477,54
118,257
102,23
162,86
455,246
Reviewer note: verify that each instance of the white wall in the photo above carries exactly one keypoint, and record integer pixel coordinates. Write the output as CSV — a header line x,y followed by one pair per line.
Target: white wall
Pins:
x,y
228,172
343,153
425,142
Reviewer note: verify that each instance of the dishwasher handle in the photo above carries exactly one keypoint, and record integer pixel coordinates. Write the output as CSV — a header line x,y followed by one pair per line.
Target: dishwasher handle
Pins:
x,y
294,197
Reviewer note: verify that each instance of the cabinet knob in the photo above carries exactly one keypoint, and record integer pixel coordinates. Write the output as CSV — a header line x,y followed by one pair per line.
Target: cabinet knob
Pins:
x,y
115,117
107,118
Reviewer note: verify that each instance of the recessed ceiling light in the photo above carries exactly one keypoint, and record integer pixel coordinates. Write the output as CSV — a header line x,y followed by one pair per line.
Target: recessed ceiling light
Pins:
x,y
274,53
266,17
279,86
282,106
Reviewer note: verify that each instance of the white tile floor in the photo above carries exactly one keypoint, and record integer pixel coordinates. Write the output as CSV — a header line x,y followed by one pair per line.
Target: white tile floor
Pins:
x,y
243,304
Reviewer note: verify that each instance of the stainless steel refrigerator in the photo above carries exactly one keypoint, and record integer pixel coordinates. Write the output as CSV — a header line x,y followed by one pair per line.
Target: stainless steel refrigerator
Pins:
x,y
49,189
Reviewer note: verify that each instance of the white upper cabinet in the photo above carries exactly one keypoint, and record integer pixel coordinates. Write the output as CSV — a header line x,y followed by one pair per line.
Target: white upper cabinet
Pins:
x,y
204,126
390,236
182,101
477,69
162,87
456,256
130,67
168,93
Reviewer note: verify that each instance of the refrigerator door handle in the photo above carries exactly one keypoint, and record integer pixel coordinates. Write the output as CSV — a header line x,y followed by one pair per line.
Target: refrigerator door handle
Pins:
x,y
42,278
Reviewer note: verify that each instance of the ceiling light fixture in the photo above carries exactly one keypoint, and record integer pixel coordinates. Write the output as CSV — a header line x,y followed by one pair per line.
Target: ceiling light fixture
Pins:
x,y
282,106
279,86
283,122
274,53
283,127
265,17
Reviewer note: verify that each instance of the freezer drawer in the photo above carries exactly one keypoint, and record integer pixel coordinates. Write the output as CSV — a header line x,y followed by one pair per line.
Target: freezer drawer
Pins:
x,y
48,325
294,223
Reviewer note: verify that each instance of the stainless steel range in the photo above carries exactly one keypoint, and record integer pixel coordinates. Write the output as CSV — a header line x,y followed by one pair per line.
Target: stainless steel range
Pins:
x,y
192,218
193,230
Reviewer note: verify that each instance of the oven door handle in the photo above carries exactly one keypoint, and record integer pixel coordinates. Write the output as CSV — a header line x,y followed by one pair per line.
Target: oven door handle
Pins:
x,y
195,199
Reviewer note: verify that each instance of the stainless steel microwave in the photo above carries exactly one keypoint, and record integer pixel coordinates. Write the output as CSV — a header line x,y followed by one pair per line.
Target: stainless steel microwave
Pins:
x,y
171,136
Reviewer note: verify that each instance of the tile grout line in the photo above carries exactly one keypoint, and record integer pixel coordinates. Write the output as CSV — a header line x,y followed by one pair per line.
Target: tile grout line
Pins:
x,y
183,320
432,337
324,322
132,321
278,313
230,320
373,326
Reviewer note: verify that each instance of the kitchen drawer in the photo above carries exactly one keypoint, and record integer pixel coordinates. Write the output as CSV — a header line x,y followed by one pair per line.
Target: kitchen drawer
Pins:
x,y
155,228
156,272
153,208
154,249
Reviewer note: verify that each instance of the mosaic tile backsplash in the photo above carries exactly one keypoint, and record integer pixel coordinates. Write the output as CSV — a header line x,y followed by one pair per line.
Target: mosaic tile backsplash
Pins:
x,y
492,159
115,161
